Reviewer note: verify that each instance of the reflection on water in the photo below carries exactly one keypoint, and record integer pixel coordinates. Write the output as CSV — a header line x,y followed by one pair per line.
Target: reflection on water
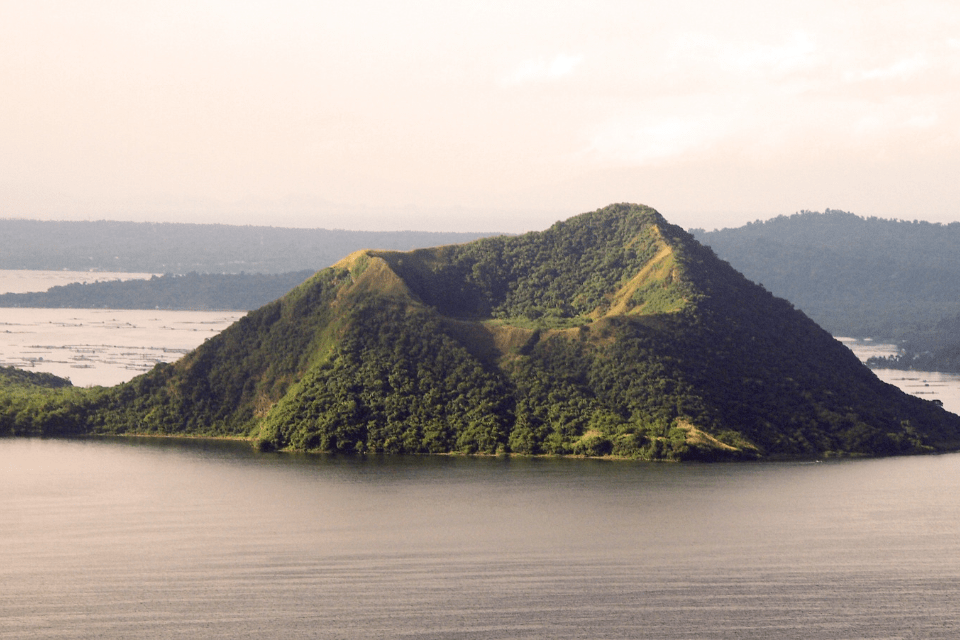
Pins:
x,y
160,538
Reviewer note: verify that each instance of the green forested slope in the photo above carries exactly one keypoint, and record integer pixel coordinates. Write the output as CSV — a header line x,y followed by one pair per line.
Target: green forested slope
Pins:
x,y
41,403
611,333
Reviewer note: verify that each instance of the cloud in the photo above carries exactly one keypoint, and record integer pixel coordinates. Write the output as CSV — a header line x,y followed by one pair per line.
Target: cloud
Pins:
x,y
750,59
796,54
540,70
900,70
656,140
706,127
895,118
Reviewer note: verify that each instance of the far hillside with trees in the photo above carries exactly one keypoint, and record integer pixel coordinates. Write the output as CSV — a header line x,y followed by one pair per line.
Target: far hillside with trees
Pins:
x,y
195,291
896,280
206,266
175,248
860,277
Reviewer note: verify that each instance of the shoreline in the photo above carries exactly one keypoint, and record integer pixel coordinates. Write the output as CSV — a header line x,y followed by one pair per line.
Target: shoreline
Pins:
x,y
252,442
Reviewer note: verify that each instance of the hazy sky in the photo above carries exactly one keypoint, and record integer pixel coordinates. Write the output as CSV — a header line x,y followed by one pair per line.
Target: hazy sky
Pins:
x,y
481,116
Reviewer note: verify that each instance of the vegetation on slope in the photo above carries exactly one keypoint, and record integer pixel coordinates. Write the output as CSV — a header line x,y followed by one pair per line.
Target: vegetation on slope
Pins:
x,y
613,333
34,403
568,271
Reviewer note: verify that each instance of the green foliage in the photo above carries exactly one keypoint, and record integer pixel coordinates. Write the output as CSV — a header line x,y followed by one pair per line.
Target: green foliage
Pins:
x,y
37,404
659,296
13,377
225,385
713,367
396,384
550,277
865,277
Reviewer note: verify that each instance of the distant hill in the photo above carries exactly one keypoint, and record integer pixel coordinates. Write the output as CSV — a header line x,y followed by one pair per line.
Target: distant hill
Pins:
x,y
184,248
935,348
860,277
202,292
13,377
612,333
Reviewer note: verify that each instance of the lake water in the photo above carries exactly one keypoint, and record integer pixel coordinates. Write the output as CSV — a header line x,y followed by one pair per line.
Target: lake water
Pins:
x,y
158,538
96,346
103,346
929,385
161,538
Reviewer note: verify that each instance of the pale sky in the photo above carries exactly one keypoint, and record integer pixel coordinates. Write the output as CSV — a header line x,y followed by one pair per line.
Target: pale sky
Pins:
x,y
501,116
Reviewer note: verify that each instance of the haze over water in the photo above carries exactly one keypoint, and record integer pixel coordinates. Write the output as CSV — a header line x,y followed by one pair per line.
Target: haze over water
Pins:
x,y
162,538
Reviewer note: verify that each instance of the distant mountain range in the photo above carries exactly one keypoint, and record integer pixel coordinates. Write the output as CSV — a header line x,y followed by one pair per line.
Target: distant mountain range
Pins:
x,y
861,277
612,333
183,248
201,292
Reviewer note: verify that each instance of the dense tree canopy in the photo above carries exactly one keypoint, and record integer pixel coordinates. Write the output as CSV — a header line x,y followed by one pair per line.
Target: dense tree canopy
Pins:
x,y
613,333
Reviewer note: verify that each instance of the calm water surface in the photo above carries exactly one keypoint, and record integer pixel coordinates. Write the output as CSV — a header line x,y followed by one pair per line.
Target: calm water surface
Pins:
x,y
96,346
929,385
164,538
103,346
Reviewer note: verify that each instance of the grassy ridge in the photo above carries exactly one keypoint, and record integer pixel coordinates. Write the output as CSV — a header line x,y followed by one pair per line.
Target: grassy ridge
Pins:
x,y
613,333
